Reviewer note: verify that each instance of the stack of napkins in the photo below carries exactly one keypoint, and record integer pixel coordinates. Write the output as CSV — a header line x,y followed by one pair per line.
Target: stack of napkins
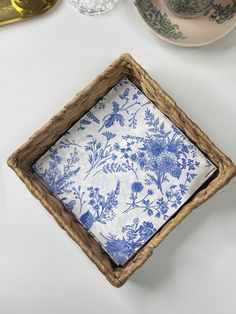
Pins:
x,y
123,170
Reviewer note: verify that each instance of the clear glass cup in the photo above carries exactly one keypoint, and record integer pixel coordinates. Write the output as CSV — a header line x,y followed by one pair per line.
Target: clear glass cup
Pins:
x,y
93,7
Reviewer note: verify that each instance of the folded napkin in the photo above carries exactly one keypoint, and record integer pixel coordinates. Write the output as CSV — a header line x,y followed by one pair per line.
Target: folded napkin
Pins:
x,y
123,170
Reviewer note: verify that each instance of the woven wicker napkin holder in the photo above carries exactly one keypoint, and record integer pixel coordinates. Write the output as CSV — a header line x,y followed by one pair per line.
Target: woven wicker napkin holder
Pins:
x,y
22,160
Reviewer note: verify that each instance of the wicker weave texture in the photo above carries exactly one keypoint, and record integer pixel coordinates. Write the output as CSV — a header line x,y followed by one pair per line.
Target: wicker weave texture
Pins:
x,y
22,160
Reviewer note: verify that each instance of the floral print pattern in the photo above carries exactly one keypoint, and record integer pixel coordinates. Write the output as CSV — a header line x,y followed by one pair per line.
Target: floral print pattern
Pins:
x,y
217,11
133,237
102,207
158,20
123,170
221,12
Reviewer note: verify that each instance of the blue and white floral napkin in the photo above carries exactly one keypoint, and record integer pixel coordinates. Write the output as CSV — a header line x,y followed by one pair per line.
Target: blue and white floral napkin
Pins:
x,y
123,170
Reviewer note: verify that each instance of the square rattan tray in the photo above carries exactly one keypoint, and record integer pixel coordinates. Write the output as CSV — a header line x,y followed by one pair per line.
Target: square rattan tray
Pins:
x,y
23,159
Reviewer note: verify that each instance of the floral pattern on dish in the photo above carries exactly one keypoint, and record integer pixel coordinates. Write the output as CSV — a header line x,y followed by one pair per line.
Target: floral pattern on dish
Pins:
x,y
213,23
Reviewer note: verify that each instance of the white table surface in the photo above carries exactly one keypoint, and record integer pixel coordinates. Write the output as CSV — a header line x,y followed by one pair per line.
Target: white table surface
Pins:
x,y
44,62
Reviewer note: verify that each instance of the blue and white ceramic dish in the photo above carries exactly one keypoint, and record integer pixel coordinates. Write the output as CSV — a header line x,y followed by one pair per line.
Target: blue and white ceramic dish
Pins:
x,y
123,170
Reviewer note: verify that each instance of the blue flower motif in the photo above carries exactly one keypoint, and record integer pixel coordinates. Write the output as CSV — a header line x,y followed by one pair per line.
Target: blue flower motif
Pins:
x,y
102,207
153,147
137,187
168,163
162,154
59,181
173,198
141,155
133,157
142,163
113,157
172,147
116,147
92,202
108,135
146,230
135,235
150,212
163,206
